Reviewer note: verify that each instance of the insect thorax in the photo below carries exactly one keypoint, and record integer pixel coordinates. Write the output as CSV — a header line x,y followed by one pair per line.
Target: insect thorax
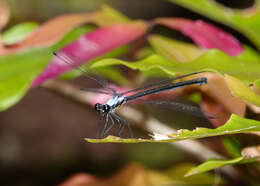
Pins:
x,y
116,101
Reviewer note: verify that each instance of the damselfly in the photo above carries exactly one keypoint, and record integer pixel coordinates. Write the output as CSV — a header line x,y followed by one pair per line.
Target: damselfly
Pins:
x,y
108,110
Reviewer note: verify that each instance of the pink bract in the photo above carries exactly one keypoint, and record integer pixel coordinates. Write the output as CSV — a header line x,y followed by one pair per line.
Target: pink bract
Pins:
x,y
204,34
93,45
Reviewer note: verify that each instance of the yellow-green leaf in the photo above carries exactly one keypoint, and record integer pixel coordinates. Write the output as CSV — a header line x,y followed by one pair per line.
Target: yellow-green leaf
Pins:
x,y
234,125
217,163
242,91
173,49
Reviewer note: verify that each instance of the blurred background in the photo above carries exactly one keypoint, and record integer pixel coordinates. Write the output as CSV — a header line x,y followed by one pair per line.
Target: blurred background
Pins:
x,y
42,137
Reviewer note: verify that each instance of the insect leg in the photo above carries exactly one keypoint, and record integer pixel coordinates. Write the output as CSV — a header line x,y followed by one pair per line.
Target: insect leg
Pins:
x,y
118,119
105,126
99,126
125,122
112,124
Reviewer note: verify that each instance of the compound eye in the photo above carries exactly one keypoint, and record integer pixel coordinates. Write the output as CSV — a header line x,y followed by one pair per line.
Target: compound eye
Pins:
x,y
106,108
97,106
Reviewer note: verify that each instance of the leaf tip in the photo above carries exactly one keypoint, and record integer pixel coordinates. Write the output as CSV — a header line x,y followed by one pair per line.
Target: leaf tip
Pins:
x,y
191,172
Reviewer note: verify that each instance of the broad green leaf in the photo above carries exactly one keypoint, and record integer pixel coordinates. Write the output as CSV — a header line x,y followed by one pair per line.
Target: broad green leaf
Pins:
x,y
212,60
17,71
242,91
18,32
234,125
173,49
247,22
249,54
217,163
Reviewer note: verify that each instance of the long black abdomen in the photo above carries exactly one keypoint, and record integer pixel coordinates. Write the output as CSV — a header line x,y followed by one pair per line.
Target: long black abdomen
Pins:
x,y
199,81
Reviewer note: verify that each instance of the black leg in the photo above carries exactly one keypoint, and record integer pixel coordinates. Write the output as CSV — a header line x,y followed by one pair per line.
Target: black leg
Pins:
x,y
121,129
98,135
129,127
125,122
112,124
118,119
105,127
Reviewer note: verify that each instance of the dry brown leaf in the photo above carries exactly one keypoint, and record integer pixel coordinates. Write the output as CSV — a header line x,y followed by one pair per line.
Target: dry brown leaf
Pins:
x,y
218,101
219,91
224,103
213,108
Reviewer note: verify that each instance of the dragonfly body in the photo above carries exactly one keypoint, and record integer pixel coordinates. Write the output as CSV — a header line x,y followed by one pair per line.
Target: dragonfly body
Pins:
x,y
107,111
118,99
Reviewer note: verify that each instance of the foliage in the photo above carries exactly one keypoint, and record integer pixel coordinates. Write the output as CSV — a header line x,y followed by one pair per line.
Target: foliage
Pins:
x,y
26,61
235,125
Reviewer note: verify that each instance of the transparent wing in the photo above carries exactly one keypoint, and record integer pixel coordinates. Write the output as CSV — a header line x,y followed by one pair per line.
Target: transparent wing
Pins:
x,y
70,60
169,104
159,83
97,90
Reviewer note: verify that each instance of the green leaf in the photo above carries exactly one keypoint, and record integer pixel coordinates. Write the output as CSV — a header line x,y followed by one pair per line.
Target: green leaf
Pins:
x,y
232,145
244,21
173,49
212,60
246,71
18,32
234,125
17,71
242,91
249,54
212,164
